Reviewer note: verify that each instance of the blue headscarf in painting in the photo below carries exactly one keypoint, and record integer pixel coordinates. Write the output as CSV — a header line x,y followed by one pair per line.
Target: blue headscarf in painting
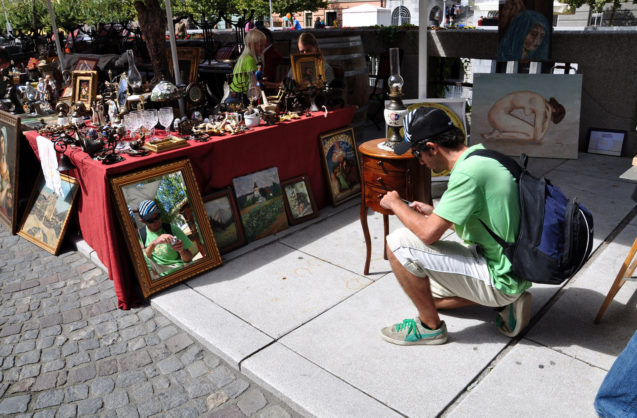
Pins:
x,y
510,47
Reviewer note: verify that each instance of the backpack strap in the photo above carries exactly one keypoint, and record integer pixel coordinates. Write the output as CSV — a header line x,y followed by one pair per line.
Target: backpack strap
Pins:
x,y
508,162
142,232
515,170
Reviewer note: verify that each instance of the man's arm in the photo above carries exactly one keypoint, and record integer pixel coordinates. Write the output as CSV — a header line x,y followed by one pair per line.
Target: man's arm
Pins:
x,y
429,228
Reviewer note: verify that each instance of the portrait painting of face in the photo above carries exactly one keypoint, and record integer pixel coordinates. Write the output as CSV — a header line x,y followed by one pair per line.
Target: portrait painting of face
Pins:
x,y
525,30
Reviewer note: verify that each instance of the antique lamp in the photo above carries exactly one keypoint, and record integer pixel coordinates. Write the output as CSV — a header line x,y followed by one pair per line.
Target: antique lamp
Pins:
x,y
395,111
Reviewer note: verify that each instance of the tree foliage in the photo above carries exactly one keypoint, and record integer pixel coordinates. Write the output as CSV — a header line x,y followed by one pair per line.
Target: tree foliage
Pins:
x,y
31,16
596,6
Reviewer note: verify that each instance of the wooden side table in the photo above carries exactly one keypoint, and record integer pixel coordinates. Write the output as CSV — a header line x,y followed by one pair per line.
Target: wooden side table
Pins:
x,y
384,171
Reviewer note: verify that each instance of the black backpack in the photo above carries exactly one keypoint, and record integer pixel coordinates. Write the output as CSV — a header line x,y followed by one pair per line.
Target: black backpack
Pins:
x,y
556,233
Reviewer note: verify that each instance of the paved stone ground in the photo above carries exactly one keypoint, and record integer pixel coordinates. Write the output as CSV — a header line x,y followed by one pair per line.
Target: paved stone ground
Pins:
x,y
66,350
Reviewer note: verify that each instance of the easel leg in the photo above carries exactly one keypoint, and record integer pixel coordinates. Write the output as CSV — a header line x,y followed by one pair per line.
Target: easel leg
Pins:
x,y
627,270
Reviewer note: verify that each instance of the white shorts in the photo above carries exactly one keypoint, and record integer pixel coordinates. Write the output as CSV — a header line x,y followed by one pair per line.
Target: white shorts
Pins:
x,y
453,269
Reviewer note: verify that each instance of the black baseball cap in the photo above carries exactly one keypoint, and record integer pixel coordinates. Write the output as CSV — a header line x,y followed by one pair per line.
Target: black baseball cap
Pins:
x,y
421,124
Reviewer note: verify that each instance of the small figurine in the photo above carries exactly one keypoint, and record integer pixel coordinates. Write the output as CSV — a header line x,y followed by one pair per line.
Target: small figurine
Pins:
x,y
94,116
52,87
112,110
260,76
41,89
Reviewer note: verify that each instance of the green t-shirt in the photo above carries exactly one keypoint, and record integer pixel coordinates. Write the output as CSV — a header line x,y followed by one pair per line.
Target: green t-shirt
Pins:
x,y
241,74
480,188
164,255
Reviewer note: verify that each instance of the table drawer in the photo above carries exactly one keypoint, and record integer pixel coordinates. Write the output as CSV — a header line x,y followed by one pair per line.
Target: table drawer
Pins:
x,y
378,179
385,166
373,196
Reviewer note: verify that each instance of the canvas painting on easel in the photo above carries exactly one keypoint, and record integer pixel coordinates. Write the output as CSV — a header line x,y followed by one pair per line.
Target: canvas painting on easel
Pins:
x,y
535,114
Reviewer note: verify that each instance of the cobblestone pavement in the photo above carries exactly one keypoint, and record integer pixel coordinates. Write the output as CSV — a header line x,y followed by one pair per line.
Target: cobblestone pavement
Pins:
x,y
66,350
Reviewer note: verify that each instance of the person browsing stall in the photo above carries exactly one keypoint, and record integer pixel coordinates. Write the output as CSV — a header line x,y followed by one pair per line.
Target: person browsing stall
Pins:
x,y
308,44
437,274
255,42
165,246
271,60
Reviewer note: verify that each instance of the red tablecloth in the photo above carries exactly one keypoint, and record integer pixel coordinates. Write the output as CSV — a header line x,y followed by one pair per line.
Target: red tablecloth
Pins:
x,y
292,147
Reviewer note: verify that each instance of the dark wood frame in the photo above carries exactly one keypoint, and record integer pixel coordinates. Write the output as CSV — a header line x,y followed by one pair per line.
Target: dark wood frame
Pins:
x,y
298,60
210,253
37,220
91,77
228,194
91,63
597,151
326,141
292,220
189,57
10,129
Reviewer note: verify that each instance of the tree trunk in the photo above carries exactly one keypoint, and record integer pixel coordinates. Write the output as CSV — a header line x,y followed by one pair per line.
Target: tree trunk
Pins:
x,y
152,22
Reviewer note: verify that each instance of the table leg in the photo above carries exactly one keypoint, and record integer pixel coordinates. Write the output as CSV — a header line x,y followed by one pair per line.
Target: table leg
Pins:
x,y
626,270
368,242
386,229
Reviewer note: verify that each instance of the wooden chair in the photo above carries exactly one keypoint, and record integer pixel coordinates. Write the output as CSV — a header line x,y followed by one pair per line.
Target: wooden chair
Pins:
x,y
625,273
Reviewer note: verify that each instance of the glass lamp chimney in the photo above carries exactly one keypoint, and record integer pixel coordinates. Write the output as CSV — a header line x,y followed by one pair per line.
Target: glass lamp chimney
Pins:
x,y
395,81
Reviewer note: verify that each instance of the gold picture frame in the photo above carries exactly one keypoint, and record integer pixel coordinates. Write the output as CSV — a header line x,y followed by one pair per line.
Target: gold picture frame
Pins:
x,y
188,59
47,214
308,69
341,166
10,139
174,189
84,87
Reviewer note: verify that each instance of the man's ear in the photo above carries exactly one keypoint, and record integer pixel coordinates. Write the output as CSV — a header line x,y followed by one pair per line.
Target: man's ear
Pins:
x,y
431,146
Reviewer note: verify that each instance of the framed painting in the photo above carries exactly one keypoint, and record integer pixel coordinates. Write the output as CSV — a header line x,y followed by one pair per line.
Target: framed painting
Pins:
x,y
260,202
85,64
165,225
606,141
340,164
534,114
188,59
84,87
10,134
47,214
299,202
307,69
524,30
225,220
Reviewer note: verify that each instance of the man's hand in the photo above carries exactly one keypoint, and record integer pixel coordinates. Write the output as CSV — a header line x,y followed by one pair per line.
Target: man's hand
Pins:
x,y
163,239
390,199
178,246
422,208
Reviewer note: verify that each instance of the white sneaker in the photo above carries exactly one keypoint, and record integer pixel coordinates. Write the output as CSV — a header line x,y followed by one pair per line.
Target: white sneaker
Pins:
x,y
515,316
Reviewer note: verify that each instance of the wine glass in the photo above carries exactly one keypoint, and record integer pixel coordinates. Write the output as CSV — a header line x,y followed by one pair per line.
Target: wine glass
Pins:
x,y
138,120
129,124
150,120
166,117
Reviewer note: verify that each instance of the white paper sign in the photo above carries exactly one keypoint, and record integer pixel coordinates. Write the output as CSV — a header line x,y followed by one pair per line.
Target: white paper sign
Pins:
x,y
49,162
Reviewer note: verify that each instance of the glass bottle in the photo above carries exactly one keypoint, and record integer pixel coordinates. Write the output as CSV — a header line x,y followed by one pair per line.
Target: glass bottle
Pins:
x,y
133,75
